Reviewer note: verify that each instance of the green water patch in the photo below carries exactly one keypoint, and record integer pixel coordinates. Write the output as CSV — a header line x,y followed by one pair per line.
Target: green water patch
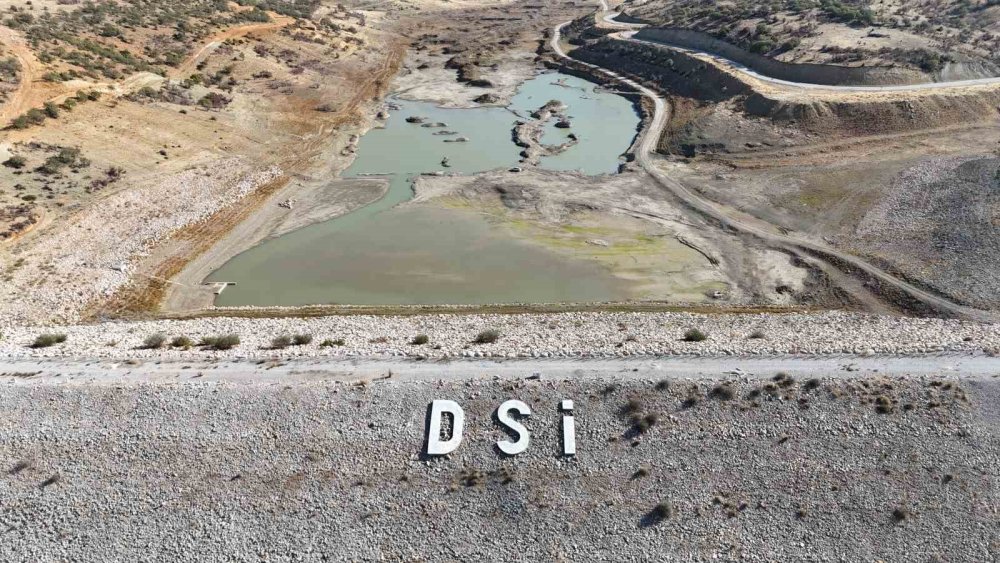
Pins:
x,y
383,254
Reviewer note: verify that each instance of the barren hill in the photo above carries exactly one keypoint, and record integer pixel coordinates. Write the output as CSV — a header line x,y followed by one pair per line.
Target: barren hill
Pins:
x,y
937,38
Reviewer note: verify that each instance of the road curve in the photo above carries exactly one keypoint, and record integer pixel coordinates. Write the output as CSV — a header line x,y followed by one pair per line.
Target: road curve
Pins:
x,y
647,144
630,29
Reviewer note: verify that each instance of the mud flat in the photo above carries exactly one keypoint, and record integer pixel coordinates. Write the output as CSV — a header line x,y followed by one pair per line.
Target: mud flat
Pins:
x,y
749,469
287,211
383,254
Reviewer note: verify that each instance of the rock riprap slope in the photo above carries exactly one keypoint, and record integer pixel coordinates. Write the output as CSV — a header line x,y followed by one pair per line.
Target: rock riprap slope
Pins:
x,y
762,469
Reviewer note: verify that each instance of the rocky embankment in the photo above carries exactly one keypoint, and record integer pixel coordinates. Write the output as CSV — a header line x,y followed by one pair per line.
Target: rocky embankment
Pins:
x,y
771,469
521,335
94,254
937,223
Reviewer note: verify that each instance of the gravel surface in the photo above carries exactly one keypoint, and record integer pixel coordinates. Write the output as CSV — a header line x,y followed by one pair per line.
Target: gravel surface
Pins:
x,y
328,471
938,224
521,335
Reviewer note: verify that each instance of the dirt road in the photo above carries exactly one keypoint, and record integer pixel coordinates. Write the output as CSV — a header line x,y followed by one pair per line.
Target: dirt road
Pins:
x,y
33,92
215,40
769,234
20,99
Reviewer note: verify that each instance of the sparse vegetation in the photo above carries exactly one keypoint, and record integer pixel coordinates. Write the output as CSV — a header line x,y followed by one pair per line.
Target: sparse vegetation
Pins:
x,y
329,343
420,340
302,339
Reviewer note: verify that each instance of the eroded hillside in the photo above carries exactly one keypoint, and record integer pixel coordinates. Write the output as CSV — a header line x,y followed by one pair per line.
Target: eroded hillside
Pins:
x,y
932,37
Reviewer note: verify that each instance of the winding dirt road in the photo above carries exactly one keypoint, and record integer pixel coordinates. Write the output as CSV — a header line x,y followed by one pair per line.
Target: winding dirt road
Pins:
x,y
647,145
629,30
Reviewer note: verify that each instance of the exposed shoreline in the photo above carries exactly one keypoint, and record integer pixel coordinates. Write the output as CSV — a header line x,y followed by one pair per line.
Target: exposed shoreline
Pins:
x,y
314,202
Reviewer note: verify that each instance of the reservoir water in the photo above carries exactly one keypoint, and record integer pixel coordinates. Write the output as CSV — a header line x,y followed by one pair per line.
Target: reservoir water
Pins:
x,y
387,254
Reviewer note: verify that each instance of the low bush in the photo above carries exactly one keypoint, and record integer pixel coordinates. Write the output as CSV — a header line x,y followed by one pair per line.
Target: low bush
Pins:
x,y
279,342
723,392
154,341
420,340
487,337
643,424
15,162
694,335
46,340
221,342
328,343
302,339
661,512
181,342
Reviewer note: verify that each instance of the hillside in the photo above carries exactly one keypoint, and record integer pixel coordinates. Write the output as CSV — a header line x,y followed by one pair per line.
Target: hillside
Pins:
x,y
936,37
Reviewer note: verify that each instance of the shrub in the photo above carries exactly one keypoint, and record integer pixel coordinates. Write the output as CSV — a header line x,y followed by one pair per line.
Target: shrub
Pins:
x,y
694,335
282,341
21,122
661,512
487,337
221,342
642,425
46,340
640,473
181,342
35,116
15,162
154,341
633,406
420,340
302,339
51,110
722,392
330,343
758,334
900,514
213,100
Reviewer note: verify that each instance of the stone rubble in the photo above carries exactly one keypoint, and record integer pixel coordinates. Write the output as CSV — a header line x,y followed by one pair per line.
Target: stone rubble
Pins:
x,y
94,254
560,335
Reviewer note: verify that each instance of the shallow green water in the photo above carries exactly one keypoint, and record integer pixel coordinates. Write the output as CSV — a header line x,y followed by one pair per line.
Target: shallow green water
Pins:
x,y
384,255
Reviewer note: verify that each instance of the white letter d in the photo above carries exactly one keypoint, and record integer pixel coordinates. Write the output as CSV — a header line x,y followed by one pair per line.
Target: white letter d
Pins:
x,y
434,444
